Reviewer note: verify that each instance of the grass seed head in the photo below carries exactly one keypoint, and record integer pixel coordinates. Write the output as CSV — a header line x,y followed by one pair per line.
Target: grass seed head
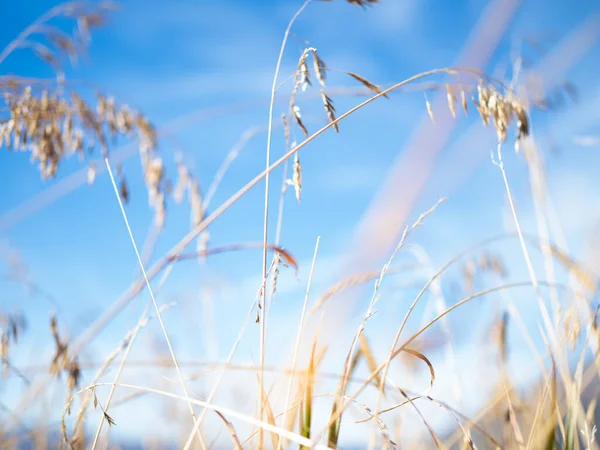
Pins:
x,y
298,117
429,109
463,100
196,203
571,326
297,177
319,67
367,83
330,109
304,80
451,100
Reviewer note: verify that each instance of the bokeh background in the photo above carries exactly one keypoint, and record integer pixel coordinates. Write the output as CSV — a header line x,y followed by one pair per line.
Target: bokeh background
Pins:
x,y
202,72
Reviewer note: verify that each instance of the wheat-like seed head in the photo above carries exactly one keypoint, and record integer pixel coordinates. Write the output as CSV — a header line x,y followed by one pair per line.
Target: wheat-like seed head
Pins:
x,y
429,109
367,83
463,101
319,67
286,128
276,263
11,328
329,109
297,176
503,110
52,126
183,180
451,100
298,117
196,203
304,79
62,362
571,326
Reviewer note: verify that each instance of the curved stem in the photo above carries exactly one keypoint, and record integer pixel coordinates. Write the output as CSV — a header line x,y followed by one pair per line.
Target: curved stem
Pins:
x,y
262,306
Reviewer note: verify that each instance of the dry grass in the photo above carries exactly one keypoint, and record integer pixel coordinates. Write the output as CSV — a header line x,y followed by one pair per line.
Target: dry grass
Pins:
x,y
300,406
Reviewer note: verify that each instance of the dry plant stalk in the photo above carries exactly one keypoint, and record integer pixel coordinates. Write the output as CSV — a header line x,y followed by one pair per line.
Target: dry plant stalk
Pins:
x,y
11,328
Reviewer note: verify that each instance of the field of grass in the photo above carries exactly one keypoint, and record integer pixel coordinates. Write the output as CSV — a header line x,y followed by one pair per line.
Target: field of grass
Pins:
x,y
196,300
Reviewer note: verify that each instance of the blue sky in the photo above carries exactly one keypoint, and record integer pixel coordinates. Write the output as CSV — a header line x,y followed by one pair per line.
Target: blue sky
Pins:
x,y
170,59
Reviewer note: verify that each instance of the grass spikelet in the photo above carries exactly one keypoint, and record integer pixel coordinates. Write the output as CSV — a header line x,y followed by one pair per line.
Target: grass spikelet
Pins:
x,y
451,100
183,179
11,327
319,67
154,174
304,80
481,103
301,80
330,109
463,100
429,109
297,177
522,122
91,173
367,83
276,263
197,208
60,360
286,128
571,326
298,117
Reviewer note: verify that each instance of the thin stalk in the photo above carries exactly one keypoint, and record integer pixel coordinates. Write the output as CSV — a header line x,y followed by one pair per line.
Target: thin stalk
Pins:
x,y
263,307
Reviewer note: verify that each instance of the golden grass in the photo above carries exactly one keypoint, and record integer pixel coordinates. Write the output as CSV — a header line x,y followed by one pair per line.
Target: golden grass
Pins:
x,y
54,123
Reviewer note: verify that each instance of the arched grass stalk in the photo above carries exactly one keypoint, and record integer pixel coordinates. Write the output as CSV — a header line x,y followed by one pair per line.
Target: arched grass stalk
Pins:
x,y
156,307
225,411
334,417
